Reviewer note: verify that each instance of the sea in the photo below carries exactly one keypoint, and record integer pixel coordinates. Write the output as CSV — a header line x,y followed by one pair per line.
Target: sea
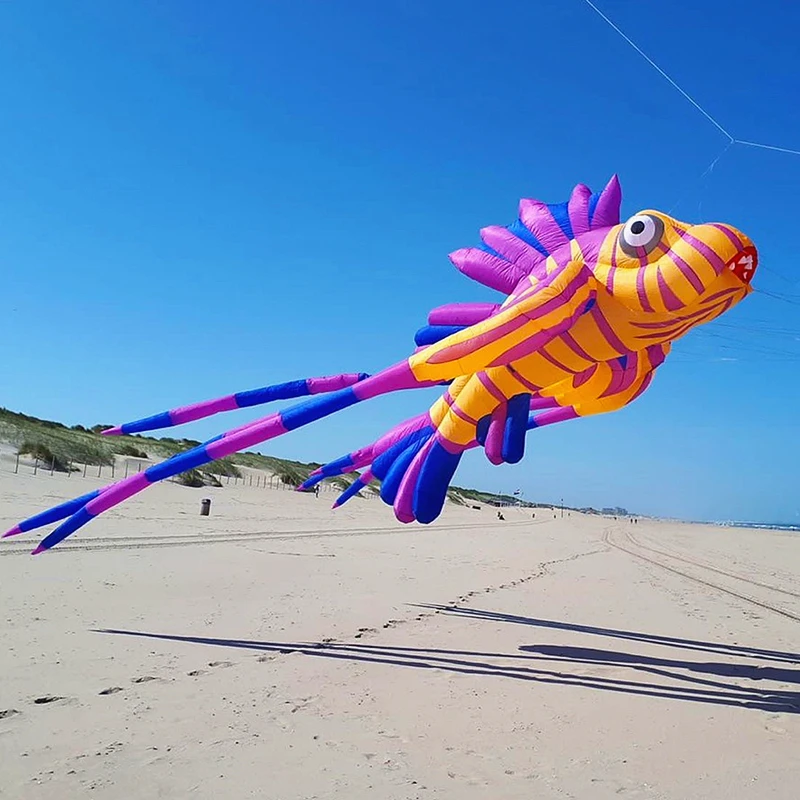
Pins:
x,y
772,526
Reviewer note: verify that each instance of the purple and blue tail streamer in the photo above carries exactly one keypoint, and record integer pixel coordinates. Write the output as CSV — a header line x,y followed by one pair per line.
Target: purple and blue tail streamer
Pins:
x,y
247,399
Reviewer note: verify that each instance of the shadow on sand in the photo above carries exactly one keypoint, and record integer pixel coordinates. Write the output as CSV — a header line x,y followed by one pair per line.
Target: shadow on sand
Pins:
x,y
672,678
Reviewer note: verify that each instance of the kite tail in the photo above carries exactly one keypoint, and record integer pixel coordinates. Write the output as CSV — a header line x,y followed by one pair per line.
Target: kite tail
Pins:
x,y
410,438
395,378
360,483
246,399
365,456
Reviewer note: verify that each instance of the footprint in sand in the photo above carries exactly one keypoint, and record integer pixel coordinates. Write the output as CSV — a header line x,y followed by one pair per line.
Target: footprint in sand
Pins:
x,y
9,712
144,679
220,663
48,698
362,631
195,672
111,690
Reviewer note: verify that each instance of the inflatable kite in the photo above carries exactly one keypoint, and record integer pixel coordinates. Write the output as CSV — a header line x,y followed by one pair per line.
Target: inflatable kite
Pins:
x,y
592,306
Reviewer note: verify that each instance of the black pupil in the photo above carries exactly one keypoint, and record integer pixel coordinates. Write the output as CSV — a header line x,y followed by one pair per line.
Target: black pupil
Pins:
x,y
637,227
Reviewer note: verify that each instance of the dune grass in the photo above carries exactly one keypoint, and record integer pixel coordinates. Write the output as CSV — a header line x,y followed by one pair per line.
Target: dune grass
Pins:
x,y
65,447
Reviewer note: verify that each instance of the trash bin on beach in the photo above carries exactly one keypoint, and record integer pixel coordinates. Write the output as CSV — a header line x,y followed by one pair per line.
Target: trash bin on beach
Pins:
x,y
205,507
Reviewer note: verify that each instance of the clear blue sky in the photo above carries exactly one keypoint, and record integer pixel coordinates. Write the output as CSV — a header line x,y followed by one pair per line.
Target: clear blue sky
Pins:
x,y
201,197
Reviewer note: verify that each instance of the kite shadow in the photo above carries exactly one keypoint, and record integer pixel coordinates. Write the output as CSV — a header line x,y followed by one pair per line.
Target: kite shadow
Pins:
x,y
665,678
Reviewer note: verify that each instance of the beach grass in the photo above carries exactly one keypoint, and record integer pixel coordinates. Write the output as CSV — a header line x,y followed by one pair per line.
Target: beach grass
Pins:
x,y
63,448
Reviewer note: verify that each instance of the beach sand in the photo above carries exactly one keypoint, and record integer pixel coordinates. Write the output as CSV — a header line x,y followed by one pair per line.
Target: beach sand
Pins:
x,y
279,650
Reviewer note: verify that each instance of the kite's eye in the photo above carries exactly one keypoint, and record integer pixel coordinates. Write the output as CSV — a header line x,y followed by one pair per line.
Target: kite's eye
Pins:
x,y
641,231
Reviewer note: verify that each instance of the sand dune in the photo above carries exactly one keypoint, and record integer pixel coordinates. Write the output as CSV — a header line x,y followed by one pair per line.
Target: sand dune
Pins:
x,y
279,650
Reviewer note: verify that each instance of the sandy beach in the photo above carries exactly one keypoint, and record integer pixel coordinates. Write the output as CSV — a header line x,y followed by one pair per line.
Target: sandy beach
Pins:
x,y
277,649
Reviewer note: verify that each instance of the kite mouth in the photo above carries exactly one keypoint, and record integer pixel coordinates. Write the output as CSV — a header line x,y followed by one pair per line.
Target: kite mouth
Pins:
x,y
743,265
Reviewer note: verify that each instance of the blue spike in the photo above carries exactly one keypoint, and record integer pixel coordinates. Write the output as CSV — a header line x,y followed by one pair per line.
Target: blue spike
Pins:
x,y
57,512
560,212
308,483
384,461
338,466
623,361
593,201
77,520
182,462
312,410
351,491
491,251
434,478
431,334
519,230
390,485
515,429
281,391
162,420
482,429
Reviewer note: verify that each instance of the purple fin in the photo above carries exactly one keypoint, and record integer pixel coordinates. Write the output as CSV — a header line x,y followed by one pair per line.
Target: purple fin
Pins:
x,y
578,209
491,271
506,244
607,210
539,220
461,313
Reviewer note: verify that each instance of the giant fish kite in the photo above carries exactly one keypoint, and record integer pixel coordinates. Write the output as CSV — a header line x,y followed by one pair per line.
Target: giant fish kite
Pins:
x,y
592,307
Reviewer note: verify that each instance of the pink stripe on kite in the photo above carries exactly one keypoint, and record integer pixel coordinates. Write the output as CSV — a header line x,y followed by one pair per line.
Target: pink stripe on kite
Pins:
x,y
491,387
569,341
463,415
612,270
332,383
117,493
713,258
584,376
555,362
557,415
206,408
246,438
455,351
671,301
640,290
688,272
732,237
530,345
522,379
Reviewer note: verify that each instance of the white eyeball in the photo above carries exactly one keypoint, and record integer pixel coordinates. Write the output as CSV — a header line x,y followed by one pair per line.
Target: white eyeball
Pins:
x,y
641,231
